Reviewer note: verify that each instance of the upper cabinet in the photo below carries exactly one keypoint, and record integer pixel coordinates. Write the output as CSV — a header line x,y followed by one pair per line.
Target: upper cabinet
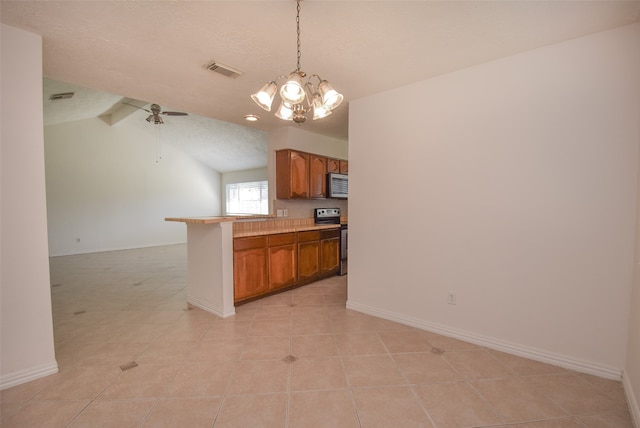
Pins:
x,y
337,166
333,165
344,167
317,177
292,174
301,175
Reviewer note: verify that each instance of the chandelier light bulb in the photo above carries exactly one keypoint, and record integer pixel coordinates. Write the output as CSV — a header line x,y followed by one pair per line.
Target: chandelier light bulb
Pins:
x,y
292,91
330,97
319,111
284,112
264,97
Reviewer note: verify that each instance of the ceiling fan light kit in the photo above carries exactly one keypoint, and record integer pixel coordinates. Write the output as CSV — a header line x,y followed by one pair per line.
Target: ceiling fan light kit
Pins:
x,y
154,117
299,95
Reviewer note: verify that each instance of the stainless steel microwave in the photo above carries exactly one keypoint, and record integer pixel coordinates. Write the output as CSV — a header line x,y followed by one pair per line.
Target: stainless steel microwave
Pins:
x,y
337,186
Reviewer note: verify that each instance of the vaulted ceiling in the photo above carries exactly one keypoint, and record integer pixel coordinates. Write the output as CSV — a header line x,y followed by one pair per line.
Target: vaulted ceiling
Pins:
x,y
156,51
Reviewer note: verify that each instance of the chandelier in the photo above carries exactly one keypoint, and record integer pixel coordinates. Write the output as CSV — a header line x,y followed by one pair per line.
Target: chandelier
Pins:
x,y
299,95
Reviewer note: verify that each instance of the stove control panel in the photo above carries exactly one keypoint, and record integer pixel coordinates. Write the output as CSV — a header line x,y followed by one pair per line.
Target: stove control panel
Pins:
x,y
327,212
327,215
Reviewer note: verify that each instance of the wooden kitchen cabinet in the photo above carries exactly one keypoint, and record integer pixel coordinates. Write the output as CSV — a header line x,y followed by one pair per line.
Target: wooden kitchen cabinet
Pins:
x,y
308,255
292,174
329,251
317,176
283,256
337,166
267,264
301,175
333,165
344,167
250,274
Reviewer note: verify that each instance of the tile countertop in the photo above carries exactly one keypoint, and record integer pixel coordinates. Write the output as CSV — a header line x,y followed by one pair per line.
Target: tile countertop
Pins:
x,y
244,227
200,220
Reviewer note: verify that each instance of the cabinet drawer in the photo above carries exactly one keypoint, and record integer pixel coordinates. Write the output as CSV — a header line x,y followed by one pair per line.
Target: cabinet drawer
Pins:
x,y
331,233
312,235
282,239
250,242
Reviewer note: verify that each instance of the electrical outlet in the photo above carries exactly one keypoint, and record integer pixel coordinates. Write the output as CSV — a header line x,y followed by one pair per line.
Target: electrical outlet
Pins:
x,y
279,213
286,213
451,298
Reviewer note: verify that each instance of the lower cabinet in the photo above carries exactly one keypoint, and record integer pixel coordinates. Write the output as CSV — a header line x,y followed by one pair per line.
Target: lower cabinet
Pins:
x,y
267,263
308,255
282,260
250,275
329,252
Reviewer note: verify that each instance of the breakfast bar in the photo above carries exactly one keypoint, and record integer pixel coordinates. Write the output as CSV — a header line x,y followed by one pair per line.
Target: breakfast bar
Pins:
x,y
233,260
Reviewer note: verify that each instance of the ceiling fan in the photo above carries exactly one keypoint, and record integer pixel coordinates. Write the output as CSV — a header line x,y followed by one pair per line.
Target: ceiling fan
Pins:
x,y
155,111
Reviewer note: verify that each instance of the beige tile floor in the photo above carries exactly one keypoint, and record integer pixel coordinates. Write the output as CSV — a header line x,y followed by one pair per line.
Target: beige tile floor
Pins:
x,y
132,354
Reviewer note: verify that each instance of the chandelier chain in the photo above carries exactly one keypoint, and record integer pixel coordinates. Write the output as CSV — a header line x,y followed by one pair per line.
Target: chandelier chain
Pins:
x,y
298,32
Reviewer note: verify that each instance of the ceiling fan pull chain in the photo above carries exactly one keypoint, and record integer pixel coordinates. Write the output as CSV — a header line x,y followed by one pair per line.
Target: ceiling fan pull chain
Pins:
x,y
158,145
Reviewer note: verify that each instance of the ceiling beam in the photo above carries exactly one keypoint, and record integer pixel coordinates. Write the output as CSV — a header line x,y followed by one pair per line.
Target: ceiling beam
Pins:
x,y
121,110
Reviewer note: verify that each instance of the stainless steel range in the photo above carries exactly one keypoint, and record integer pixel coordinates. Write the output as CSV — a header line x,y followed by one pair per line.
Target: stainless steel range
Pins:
x,y
332,216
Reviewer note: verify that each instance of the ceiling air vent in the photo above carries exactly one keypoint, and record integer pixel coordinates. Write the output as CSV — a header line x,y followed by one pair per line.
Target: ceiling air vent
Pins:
x,y
61,96
225,70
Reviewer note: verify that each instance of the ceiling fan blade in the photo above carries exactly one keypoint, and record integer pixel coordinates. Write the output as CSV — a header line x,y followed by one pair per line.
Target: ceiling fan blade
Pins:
x,y
155,110
174,113
132,105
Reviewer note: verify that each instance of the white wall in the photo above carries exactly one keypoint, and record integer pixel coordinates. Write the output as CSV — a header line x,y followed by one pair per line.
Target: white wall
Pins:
x,y
248,175
632,367
512,184
26,336
105,190
299,139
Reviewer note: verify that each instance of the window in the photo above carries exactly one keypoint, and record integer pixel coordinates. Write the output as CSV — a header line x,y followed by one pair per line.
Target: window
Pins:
x,y
248,198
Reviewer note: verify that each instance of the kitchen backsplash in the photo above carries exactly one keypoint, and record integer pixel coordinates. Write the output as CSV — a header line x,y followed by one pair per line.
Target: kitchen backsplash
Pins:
x,y
270,224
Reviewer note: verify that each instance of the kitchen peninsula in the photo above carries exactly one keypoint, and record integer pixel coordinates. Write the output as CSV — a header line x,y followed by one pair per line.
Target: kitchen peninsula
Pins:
x,y
210,263
232,260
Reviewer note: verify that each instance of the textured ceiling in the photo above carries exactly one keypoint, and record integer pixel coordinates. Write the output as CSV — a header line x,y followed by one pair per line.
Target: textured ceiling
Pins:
x,y
155,50
220,145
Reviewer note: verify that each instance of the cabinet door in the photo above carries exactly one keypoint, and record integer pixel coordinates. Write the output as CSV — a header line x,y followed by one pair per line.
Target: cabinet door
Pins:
x,y
250,273
282,266
317,176
308,260
283,260
292,174
299,164
330,255
344,167
333,165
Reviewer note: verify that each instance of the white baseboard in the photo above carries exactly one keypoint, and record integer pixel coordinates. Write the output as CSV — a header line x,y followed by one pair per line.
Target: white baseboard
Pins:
x,y
107,249
499,345
205,306
632,401
27,375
